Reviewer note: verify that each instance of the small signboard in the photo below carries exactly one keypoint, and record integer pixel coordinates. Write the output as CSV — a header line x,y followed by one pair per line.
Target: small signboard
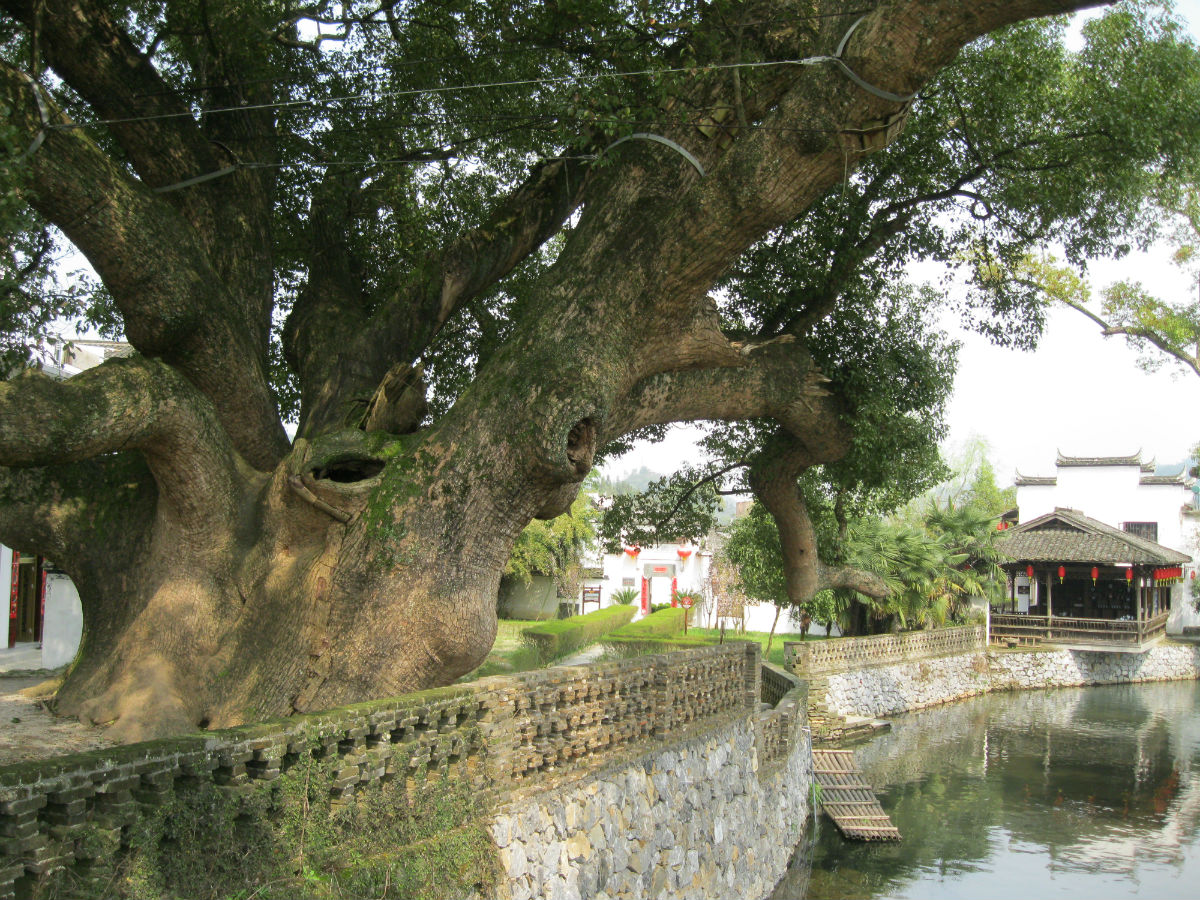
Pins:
x,y
728,606
659,570
731,608
591,594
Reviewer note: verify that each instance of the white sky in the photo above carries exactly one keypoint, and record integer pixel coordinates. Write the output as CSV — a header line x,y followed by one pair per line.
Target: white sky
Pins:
x,y
1079,391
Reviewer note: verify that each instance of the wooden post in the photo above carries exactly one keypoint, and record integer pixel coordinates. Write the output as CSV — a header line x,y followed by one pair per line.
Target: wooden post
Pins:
x,y
1141,599
1049,606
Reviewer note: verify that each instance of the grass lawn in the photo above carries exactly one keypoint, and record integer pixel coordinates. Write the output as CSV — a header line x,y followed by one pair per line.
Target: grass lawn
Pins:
x,y
509,654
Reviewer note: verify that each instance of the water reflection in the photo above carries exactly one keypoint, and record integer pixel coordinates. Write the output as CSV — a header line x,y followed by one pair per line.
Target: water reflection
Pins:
x,y
1073,792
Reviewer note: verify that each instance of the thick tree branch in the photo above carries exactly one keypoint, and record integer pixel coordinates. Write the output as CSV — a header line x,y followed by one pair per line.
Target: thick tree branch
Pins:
x,y
174,305
58,511
401,328
775,380
92,54
758,179
129,404
773,480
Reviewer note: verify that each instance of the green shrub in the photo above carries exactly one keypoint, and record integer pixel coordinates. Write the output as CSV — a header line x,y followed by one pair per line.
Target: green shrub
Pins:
x,y
666,621
562,636
649,644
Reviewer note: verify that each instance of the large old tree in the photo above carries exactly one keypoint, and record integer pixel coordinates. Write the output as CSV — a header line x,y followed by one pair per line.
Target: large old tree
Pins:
x,y
416,225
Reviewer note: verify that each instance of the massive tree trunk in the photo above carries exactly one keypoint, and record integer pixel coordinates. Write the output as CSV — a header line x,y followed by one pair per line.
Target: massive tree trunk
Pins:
x,y
228,575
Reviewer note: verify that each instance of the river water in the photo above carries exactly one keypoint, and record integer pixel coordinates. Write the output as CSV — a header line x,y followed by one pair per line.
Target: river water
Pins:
x,y
1079,792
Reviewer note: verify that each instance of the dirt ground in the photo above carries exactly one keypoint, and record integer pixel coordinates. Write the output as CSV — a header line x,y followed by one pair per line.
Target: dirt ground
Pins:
x,y
29,731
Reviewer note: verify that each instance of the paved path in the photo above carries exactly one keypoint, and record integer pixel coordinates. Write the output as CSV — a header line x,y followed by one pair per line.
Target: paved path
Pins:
x,y
21,658
583,657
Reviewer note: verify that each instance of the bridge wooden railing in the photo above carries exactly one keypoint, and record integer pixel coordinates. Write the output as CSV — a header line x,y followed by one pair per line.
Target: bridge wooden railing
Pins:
x,y
1066,630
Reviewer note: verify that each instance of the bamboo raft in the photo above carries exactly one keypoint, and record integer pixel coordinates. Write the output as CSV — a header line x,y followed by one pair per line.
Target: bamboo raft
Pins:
x,y
849,800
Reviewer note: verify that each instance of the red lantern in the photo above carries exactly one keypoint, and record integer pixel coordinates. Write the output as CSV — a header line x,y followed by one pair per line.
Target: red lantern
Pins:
x,y
1095,574
1129,575
1029,572
1193,574
1062,571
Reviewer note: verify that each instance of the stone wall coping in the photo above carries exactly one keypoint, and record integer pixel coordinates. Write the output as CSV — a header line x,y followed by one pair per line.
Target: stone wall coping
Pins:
x,y
840,654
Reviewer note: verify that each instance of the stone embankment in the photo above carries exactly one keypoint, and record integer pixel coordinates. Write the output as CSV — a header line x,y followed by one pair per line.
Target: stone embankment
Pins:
x,y
677,775
1024,669
891,674
706,818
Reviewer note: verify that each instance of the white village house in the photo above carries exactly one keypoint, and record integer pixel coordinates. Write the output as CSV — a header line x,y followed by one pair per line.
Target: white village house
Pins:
x,y
658,572
1148,502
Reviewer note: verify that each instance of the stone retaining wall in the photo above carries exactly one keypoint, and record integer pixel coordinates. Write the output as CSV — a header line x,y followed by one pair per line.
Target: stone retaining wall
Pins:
x,y
717,814
890,689
1020,670
661,735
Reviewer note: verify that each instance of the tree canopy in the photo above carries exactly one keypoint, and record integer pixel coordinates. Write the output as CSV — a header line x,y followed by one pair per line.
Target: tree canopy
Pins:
x,y
468,246
1018,146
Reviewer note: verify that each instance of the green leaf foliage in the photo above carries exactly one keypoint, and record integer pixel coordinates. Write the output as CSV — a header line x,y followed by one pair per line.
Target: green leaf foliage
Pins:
x,y
678,507
754,550
553,547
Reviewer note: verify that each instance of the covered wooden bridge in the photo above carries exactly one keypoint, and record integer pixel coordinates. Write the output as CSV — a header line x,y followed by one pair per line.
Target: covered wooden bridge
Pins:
x,y
1077,582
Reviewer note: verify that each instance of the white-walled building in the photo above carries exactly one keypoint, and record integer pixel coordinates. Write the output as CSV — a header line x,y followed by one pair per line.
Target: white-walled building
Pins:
x,y
656,573
43,607
1158,503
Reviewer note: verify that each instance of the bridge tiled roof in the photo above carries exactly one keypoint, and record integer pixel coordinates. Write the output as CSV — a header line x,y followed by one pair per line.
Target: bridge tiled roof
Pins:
x,y
1068,536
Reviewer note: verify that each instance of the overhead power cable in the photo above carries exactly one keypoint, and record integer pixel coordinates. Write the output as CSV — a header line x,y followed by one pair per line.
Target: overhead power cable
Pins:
x,y
525,83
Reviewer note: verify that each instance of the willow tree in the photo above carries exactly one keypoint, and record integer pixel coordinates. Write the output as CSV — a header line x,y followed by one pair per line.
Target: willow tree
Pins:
x,y
466,244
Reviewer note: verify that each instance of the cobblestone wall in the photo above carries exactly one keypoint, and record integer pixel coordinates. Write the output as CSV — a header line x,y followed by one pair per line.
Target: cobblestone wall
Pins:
x,y
503,736
887,690
1017,670
716,814
891,689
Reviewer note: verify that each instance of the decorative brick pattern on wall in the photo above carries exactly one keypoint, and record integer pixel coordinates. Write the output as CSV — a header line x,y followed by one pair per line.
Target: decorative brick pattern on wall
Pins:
x,y
839,654
714,814
501,735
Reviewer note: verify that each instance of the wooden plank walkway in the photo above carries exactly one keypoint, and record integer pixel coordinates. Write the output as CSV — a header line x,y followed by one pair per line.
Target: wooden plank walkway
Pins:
x,y
849,800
